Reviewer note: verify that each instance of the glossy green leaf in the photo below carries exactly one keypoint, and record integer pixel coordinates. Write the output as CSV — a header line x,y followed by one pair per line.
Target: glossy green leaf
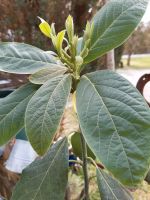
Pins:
x,y
77,148
111,189
12,109
45,178
45,111
44,75
115,121
22,58
113,24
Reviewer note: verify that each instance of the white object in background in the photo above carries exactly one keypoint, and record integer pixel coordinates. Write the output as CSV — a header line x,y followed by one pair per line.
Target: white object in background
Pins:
x,y
21,156
1,151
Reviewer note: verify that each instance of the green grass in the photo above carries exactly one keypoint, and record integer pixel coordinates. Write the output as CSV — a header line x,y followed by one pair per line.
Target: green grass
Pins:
x,y
138,63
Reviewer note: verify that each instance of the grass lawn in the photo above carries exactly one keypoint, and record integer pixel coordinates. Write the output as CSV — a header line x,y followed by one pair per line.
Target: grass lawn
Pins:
x,y
138,63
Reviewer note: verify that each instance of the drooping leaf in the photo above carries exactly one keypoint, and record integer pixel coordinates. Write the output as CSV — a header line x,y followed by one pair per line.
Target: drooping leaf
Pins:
x,y
77,148
22,58
44,75
111,189
115,121
12,109
45,178
113,24
45,111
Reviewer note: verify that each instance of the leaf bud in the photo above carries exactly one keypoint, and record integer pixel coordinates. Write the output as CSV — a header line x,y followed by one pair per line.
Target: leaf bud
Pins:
x,y
79,60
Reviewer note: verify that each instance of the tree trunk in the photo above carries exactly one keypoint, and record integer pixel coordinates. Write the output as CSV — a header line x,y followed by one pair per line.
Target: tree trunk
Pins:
x,y
110,61
129,59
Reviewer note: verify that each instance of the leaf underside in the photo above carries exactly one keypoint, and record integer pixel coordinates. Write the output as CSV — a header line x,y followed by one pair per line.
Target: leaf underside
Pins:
x,y
45,111
111,189
46,74
115,121
12,111
20,58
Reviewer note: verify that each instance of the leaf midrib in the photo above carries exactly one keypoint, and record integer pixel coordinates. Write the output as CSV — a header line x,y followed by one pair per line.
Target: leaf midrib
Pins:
x,y
115,128
40,61
107,184
36,78
61,146
110,186
113,22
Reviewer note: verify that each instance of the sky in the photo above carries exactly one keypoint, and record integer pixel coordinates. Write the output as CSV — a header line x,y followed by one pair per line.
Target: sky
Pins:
x,y
146,17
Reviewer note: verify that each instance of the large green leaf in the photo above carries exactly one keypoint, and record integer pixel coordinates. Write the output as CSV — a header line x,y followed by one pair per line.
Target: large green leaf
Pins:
x,y
111,189
115,121
12,109
45,111
113,24
22,58
45,74
45,178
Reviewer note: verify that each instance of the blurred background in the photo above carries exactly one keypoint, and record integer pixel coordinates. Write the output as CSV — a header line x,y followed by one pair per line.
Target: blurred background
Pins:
x,y
19,23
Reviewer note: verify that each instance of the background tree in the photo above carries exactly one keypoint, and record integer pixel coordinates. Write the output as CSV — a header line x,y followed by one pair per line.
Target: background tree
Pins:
x,y
139,42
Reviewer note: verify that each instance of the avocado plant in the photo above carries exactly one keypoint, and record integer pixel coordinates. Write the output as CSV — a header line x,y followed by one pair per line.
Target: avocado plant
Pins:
x,y
113,117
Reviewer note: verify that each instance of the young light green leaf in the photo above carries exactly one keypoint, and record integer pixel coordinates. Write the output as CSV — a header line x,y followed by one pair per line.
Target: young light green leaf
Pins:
x,y
45,178
45,27
12,109
113,24
59,40
111,189
46,74
45,111
88,33
22,58
70,27
115,121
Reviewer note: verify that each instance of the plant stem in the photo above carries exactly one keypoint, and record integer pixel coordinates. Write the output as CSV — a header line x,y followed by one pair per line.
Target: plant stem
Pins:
x,y
84,166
